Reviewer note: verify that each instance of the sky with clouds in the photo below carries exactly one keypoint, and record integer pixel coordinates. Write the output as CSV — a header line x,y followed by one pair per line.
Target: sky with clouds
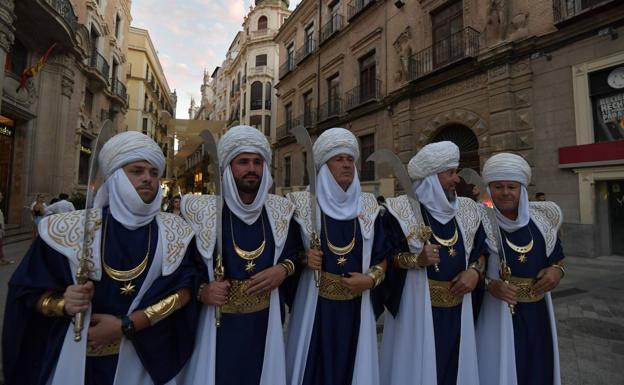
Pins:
x,y
190,36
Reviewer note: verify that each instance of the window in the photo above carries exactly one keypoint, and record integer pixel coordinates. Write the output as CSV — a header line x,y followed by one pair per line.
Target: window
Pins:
x,y
447,24
85,157
17,59
287,170
288,115
262,23
267,125
256,96
117,26
606,88
309,39
88,101
256,121
368,70
144,128
367,144
308,118
306,177
267,96
290,56
261,60
333,95
244,103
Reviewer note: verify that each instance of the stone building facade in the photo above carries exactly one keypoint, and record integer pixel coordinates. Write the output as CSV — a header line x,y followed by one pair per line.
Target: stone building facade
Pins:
x,y
538,78
46,128
151,102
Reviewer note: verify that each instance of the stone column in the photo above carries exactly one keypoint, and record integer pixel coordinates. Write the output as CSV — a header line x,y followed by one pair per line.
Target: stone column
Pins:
x,y
7,34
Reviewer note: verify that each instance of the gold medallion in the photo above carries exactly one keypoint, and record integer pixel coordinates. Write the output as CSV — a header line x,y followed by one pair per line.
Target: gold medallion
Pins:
x,y
522,258
452,252
128,288
341,261
250,266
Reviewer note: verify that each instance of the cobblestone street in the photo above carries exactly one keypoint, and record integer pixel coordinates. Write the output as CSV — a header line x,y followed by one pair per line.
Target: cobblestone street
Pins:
x,y
590,317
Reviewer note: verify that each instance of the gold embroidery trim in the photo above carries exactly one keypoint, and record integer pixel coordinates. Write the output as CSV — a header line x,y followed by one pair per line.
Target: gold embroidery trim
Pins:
x,y
440,292
239,302
525,289
330,287
107,350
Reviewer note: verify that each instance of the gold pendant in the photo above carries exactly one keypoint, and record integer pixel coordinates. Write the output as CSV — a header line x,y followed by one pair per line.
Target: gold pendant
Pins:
x,y
128,288
342,261
452,252
522,258
250,266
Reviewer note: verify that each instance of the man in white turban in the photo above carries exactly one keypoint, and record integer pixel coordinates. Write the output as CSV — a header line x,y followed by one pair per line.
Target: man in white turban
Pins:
x,y
138,326
259,247
520,348
332,337
429,334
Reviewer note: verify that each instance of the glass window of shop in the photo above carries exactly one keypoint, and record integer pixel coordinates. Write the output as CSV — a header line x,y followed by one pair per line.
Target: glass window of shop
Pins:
x,y
607,99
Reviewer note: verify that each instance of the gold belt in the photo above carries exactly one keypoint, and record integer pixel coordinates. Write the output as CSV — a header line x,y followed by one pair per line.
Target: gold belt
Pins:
x,y
239,302
106,350
330,287
525,289
440,292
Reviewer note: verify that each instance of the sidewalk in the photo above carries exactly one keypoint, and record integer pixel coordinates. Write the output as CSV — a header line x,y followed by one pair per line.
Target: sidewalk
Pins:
x,y
589,306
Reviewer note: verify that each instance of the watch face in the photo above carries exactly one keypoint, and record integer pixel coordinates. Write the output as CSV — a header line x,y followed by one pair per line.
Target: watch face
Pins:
x,y
616,78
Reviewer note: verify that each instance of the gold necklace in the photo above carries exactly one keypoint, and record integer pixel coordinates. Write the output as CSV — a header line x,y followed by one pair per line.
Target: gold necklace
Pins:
x,y
125,276
338,250
448,242
248,256
521,250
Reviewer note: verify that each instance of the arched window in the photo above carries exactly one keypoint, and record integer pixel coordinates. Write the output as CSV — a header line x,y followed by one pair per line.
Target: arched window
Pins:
x,y
267,95
256,96
467,142
262,23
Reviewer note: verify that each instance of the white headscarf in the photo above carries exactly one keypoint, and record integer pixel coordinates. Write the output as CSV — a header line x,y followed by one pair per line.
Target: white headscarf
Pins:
x,y
236,141
510,167
332,199
424,168
117,192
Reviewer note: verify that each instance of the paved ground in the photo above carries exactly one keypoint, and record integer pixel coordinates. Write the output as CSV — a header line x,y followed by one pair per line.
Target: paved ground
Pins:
x,y
590,317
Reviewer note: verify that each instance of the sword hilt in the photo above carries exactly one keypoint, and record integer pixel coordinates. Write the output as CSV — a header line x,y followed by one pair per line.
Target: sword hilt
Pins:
x,y
219,275
82,275
315,243
505,273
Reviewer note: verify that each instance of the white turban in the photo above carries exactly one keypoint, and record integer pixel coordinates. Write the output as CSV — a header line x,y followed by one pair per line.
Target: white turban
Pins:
x,y
433,159
510,167
128,147
241,139
236,141
506,166
332,142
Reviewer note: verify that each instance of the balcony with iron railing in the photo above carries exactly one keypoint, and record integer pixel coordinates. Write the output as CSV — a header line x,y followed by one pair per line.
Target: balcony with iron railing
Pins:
x,y
287,67
99,66
308,48
334,25
255,105
363,93
458,46
332,108
66,11
567,9
119,91
284,130
259,70
355,7
308,119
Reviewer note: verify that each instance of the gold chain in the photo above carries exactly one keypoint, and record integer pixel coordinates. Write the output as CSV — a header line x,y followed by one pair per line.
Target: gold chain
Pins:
x,y
340,251
248,256
521,250
125,276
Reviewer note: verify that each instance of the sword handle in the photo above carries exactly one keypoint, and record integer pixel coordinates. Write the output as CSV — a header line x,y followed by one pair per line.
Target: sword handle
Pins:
x,y
424,233
505,274
219,275
315,243
81,278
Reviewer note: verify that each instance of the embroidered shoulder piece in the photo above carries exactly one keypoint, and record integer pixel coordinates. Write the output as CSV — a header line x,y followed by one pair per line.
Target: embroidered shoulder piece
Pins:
x,y
64,233
175,235
301,202
279,211
401,210
201,213
548,217
487,224
468,217
369,208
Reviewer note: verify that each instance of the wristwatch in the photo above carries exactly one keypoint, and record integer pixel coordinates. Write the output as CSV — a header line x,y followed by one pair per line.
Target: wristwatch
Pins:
x,y
127,327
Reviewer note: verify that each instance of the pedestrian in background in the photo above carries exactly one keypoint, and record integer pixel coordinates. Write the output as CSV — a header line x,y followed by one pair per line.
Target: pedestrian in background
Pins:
x,y
37,209
61,205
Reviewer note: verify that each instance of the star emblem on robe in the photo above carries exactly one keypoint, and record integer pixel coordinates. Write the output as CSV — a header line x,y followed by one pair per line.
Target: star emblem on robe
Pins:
x,y
250,266
128,288
522,258
452,252
342,261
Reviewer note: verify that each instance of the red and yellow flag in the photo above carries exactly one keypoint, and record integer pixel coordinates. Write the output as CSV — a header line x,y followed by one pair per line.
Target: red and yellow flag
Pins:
x,y
32,71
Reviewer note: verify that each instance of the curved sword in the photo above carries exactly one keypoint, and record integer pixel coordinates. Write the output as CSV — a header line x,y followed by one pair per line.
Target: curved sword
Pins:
x,y
211,148
386,156
303,138
84,264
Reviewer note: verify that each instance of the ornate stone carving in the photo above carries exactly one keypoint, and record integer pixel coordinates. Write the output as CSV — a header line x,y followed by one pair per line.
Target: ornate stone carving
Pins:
x,y
404,50
519,26
7,17
67,86
496,21
456,116
454,89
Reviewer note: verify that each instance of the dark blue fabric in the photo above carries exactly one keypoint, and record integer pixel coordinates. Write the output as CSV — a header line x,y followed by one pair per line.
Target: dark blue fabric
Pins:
x,y
241,337
532,333
446,321
333,345
32,343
